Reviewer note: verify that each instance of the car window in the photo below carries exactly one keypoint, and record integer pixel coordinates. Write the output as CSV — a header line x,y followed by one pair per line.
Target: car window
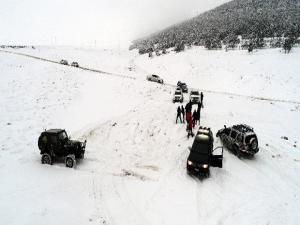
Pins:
x,y
44,139
62,135
233,134
53,139
154,76
227,131
240,138
177,93
203,148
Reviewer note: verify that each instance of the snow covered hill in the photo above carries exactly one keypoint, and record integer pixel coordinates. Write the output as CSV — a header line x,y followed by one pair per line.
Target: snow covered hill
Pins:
x,y
134,171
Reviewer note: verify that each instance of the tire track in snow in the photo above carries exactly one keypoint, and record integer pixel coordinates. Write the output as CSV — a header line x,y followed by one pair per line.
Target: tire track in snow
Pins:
x,y
80,67
168,84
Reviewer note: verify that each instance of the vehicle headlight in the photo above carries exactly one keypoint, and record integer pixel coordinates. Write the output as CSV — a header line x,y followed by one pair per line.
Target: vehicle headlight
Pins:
x,y
189,163
205,166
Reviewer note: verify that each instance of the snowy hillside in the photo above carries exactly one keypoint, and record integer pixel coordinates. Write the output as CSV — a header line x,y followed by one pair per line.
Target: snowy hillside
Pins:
x,y
135,166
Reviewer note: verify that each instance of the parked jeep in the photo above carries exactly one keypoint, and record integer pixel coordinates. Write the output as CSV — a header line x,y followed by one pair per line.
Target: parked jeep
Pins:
x,y
240,139
155,78
55,143
64,62
183,87
195,96
178,96
75,64
201,156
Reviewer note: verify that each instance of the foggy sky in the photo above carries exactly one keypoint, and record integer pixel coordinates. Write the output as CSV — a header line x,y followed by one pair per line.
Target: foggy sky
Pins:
x,y
91,22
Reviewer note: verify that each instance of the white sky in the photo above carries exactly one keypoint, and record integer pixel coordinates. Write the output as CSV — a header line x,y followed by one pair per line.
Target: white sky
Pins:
x,y
90,22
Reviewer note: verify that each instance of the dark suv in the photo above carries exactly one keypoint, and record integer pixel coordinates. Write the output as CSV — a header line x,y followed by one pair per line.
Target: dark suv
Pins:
x,y
201,156
240,139
183,87
55,143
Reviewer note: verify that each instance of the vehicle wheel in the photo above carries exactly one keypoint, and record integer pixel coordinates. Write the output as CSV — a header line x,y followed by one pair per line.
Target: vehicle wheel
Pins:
x,y
70,161
46,159
253,144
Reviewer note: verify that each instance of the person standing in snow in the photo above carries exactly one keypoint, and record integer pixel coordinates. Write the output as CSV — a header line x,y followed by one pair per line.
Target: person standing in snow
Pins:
x,y
194,117
183,112
198,115
190,128
188,110
201,98
178,114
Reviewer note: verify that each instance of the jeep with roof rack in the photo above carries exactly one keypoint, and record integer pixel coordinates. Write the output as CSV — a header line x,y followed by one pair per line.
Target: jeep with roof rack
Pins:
x,y
201,156
240,139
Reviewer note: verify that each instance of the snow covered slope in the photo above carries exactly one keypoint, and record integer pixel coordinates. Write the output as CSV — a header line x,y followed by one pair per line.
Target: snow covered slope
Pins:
x,y
134,171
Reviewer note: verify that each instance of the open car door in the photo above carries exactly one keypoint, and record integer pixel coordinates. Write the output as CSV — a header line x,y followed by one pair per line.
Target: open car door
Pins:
x,y
217,160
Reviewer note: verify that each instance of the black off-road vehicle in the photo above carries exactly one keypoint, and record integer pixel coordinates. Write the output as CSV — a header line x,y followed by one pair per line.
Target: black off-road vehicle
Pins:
x,y
201,156
183,87
240,139
55,143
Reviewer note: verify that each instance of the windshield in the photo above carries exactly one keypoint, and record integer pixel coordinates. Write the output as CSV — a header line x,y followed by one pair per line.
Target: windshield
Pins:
x,y
63,136
194,93
202,148
177,93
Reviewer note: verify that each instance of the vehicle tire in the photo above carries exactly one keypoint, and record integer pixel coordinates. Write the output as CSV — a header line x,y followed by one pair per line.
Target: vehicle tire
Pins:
x,y
253,144
46,159
70,161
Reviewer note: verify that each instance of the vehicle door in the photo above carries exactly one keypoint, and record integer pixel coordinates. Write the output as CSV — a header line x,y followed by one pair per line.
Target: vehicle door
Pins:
x,y
54,145
216,159
232,138
225,136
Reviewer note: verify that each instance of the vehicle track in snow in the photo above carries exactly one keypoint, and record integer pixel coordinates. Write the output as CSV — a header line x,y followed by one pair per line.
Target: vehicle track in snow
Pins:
x,y
261,98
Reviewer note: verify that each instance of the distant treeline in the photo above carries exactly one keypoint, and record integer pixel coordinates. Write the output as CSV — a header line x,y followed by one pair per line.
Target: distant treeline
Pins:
x,y
254,20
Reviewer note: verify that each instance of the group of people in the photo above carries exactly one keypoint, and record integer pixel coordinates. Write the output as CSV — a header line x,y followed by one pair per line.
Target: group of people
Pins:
x,y
191,118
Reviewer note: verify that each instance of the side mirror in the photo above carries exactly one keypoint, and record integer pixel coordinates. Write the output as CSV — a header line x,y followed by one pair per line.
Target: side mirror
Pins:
x,y
190,148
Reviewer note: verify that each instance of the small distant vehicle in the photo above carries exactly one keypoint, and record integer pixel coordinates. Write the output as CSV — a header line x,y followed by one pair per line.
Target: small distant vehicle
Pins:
x,y
155,78
195,96
75,64
240,139
178,96
183,87
64,62
55,143
201,156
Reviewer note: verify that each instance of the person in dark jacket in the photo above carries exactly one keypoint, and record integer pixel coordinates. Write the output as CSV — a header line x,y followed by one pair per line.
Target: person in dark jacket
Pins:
x,y
190,128
183,113
198,115
194,118
201,98
178,114
188,110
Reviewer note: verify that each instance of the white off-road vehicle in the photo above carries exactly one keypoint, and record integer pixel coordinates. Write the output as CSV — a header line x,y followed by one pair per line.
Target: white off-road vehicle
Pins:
x,y
178,96
195,96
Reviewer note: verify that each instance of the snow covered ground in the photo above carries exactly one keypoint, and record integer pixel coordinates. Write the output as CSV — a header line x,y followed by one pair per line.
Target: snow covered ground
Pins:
x,y
134,171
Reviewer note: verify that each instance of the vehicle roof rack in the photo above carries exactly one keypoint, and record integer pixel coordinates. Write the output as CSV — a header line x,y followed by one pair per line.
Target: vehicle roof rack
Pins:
x,y
243,128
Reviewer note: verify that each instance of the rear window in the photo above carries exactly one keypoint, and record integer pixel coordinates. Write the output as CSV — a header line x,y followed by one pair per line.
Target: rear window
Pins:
x,y
194,93
177,93
249,137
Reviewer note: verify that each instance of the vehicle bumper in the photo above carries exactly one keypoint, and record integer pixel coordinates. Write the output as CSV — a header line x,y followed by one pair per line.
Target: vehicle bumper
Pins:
x,y
197,169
